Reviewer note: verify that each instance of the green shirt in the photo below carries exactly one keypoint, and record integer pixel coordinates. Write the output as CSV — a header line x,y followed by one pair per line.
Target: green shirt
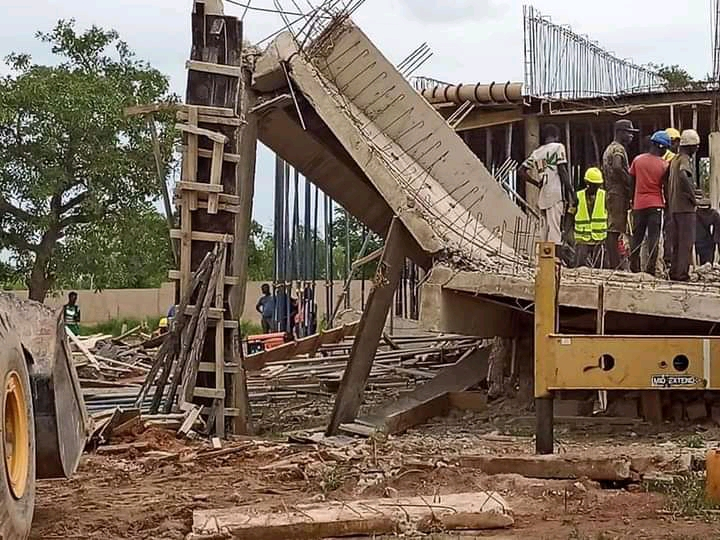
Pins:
x,y
71,316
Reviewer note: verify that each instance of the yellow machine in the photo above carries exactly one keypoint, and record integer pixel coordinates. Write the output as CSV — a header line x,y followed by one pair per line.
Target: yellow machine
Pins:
x,y
600,362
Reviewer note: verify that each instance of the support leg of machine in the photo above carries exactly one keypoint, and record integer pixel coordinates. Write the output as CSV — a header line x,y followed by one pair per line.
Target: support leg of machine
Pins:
x,y
544,438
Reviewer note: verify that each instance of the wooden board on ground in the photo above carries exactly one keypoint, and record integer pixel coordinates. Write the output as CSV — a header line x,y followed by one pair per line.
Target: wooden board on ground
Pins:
x,y
463,511
552,466
431,399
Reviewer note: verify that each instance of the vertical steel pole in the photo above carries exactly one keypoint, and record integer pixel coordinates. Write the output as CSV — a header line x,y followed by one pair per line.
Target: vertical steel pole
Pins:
x,y
545,325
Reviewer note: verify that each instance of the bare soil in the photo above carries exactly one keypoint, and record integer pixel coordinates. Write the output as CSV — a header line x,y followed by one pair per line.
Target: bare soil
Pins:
x,y
151,495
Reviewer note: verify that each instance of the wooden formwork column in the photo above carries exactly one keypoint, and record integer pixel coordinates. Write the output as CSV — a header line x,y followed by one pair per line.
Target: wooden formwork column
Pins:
x,y
215,199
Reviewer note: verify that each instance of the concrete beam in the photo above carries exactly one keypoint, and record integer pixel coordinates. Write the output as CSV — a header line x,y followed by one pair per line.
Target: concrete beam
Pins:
x,y
652,298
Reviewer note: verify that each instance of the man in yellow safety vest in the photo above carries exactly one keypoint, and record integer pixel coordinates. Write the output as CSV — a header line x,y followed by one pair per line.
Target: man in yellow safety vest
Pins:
x,y
591,221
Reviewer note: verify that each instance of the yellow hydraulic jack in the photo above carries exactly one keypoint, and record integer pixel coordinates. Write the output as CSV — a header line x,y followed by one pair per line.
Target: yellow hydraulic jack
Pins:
x,y
607,362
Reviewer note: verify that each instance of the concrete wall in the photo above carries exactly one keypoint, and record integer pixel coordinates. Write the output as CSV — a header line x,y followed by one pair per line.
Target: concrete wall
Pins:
x,y
142,303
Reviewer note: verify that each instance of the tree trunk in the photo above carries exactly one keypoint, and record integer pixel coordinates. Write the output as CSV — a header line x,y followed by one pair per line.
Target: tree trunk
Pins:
x,y
41,279
39,284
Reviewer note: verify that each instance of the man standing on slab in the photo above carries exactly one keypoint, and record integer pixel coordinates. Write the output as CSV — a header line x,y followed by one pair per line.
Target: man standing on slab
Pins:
x,y
682,205
547,168
649,173
618,186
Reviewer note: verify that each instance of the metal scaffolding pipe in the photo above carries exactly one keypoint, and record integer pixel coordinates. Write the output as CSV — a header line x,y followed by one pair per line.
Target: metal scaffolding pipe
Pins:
x,y
509,92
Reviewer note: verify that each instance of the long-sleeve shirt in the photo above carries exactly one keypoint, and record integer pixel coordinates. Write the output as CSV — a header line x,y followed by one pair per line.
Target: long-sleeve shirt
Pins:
x,y
681,188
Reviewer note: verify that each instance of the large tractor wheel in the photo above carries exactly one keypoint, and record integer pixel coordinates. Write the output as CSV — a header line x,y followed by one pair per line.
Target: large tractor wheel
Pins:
x,y
17,441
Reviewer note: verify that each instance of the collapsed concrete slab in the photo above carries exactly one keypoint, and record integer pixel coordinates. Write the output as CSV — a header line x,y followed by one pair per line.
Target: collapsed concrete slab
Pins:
x,y
364,135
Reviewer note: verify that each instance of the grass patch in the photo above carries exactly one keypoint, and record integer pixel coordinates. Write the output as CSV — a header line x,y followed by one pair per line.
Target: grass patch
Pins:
x,y
685,495
249,328
694,441
114,327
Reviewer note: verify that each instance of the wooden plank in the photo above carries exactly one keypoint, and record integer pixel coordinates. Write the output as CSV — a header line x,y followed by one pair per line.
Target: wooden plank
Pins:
x,y
212,119
193,130
209,367
217,69
558,467
220,343
213,313
206,153
211,393
192,417
192,144
229,280
216,165
460,511
372,322
168,106
200,186
80,345
203,236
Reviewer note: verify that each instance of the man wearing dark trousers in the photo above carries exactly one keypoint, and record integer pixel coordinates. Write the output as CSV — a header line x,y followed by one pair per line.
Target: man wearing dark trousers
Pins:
x,y
615,169
682,205
707,231
648,172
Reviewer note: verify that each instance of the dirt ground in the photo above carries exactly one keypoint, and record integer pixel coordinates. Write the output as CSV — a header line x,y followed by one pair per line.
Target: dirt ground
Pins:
x,y
151,493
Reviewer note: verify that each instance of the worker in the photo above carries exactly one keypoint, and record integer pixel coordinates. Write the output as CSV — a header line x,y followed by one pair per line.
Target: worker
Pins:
x,y
649,173
671,152
266,308
547,168
682,205
615,169
707,230
591,221
71,314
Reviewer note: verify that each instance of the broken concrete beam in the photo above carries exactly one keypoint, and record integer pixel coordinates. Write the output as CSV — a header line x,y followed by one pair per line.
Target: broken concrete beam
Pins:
x,y
431,399
552,467
696,410
464,511
623,407
572,407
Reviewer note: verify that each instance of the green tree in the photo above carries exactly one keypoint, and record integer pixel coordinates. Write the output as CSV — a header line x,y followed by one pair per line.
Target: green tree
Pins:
x,y
346,226
68,156
261,251
130,251
677,78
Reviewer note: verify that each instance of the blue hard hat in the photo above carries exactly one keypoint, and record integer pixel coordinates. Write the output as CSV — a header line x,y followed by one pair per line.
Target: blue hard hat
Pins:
x,y
661,138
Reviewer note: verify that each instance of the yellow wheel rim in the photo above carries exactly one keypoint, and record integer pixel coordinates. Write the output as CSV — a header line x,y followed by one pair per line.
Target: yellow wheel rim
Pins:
x,y
16,441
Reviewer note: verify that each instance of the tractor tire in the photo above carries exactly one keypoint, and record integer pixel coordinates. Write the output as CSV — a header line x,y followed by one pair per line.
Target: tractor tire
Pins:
x,y
17,440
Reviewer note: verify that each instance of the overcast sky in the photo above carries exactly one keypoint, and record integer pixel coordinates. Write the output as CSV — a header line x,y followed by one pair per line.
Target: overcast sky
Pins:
x,y
472,40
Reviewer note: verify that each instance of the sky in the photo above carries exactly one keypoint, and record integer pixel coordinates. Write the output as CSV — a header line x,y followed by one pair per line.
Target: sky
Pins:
x,y
471,40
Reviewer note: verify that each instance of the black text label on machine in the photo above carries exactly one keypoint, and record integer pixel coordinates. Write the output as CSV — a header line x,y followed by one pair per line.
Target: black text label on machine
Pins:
x,y
674,380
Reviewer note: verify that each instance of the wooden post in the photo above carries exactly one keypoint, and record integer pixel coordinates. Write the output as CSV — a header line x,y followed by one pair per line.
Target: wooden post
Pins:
x,y
372,322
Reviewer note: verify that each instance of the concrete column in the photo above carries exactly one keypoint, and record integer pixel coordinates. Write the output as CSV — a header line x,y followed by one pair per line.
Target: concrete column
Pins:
x,y
362,355
532,141
715,169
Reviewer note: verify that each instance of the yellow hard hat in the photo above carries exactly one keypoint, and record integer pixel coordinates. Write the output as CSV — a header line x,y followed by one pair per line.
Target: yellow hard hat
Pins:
x,y
594,176
672,133
163,322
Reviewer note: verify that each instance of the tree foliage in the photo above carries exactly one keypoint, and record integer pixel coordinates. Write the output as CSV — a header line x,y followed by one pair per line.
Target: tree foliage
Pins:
x,y
69,159
131,251
677,78
261,250
346,226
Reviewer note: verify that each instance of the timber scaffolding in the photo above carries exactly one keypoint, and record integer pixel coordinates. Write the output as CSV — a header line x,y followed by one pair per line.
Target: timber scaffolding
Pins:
x,y
335,109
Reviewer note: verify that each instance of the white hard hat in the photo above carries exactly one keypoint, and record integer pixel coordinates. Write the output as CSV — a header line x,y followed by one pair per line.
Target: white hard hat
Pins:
x,y
689,137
